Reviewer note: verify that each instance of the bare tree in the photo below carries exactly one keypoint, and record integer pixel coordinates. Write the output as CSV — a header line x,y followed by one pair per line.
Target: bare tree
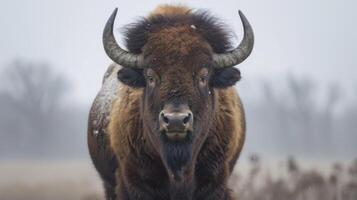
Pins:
x,y
32,94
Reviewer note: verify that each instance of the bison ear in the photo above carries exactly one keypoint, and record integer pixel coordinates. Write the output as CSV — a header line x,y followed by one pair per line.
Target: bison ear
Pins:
x,y
226,77
132,77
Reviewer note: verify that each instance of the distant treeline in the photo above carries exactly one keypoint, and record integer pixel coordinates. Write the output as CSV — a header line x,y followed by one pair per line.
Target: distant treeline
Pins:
x,y
38,121
300,117
35,120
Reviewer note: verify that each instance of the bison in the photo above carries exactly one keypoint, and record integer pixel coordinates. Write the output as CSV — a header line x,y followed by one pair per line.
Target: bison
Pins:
x,y
168,123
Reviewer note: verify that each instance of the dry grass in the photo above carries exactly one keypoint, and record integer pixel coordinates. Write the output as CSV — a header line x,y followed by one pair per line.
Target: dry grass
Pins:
x,y
288,180
70,180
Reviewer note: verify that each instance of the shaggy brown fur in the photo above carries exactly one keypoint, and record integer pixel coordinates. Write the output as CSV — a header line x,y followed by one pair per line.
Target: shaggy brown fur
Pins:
x,y
170,10
227,135
177,46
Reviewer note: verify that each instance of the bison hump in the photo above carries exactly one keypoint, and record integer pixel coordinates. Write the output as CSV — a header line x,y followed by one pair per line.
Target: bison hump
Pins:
x,y
101,107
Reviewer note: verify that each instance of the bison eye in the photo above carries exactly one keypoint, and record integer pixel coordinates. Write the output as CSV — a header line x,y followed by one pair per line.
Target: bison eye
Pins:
x,y
150,79
203,80
203,77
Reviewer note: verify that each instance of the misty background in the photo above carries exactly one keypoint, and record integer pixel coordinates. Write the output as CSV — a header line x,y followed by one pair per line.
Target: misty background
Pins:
x,y
299,85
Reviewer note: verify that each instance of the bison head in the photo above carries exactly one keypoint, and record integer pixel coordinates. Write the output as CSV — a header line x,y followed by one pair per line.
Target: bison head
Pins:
x,y
178,60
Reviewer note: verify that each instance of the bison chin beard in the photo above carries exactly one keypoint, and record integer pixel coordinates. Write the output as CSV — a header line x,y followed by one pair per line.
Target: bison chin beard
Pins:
x,y
176,156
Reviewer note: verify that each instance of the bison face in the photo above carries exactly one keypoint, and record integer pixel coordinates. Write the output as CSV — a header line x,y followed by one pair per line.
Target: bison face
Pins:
x,y
178,60
178,103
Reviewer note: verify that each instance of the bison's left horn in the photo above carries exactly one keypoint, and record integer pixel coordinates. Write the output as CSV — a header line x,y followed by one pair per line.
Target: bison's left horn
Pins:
x,y
114,51
239,54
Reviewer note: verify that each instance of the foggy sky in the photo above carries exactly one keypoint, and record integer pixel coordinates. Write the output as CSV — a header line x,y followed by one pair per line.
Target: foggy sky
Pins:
x,y
314,38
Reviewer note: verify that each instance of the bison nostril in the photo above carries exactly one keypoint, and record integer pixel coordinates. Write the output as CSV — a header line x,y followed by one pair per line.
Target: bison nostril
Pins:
x,y
187,118
164,118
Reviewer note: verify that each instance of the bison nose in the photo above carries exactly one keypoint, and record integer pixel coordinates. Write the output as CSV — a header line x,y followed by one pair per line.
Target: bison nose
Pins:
x,y
176,124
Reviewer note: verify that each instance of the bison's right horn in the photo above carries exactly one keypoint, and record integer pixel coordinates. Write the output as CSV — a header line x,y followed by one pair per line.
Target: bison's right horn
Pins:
x,y
114,51
239,54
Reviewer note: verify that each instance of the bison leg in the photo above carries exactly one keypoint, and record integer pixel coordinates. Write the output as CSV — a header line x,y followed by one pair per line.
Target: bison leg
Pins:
x,y
220,192
136,191
109,191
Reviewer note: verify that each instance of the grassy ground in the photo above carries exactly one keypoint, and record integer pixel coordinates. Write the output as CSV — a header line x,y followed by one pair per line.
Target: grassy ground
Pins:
x,y
70,180
292,180
252,180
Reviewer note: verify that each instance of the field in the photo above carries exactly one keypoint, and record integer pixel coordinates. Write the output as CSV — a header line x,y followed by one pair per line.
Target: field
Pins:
x,y
253,179
56,180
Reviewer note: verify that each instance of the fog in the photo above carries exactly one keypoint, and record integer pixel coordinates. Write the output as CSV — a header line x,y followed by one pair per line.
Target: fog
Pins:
x,y
315,38
299,81
298,87
39,121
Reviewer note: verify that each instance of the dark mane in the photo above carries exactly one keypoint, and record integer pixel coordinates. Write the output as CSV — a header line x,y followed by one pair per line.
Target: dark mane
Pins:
x,y
212,29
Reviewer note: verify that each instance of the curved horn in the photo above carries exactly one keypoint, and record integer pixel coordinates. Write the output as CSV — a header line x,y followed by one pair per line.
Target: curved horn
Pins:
x,y
239,54
114,51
